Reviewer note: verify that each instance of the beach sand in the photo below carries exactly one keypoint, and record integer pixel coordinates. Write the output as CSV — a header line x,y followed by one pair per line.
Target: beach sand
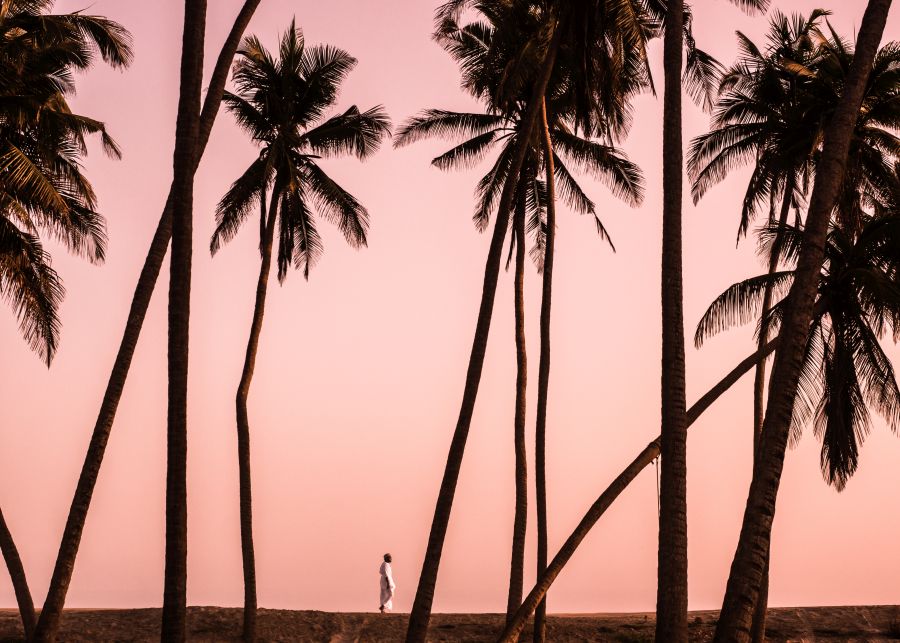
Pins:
x,y
208,624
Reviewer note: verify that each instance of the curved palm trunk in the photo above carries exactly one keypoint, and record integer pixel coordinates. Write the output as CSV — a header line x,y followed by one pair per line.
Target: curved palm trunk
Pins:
x,y
243,422
644,458
520,521
186,139
758,629
671,595
421,611
48,621
17,576
742,590
540,433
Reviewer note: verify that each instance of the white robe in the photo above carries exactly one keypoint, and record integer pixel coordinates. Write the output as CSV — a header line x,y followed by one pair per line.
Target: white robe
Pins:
x,y
387,586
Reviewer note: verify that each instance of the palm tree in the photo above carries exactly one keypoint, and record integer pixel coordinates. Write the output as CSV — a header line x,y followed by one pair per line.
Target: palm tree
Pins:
x,y
68,550
621,33
742,591
773,105
471,44
671,598
280,101
187,133
43,191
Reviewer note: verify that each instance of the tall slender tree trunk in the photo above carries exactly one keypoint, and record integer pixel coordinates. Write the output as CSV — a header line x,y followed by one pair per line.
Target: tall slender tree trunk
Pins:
x,y
520,520
48,623
186,138
651,452
742,590
243,422
671,595
540,433
17,576
421,611
758,630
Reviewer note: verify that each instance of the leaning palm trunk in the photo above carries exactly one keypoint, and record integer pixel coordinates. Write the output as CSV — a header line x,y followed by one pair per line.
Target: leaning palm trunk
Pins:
x,y
187,133
540,433
649,454
421,611
743,588
671,595
520,520
758,630
243,422
48,621
17,576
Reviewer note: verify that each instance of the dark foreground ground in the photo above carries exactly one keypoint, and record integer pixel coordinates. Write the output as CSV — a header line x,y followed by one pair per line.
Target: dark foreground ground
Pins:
x,y
223,624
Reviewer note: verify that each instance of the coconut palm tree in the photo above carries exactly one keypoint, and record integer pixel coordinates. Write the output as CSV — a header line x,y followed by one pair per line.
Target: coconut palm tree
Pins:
x,y
471,45
743,588
617,32
281,102
671,597
187,132
773,105
43,191
68,549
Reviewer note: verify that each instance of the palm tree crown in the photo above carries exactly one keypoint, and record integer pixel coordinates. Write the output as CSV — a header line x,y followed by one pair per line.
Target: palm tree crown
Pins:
x,y
845,370
43,190
281,103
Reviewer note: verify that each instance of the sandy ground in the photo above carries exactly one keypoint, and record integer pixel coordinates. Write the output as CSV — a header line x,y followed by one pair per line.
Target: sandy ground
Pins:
x,y
223,624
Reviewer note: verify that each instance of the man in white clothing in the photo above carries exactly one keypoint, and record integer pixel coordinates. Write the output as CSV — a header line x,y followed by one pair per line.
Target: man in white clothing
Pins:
x,y
387,585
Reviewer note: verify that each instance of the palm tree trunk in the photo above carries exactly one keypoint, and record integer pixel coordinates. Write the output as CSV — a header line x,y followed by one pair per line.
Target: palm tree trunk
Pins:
x,y
742,590
671,595
520,520
48,621
17,576
243,422
609,495
421,611
758,630
540,434
186,139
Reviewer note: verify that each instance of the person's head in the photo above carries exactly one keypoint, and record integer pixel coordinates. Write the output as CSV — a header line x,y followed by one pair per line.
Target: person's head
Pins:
x,y
387,558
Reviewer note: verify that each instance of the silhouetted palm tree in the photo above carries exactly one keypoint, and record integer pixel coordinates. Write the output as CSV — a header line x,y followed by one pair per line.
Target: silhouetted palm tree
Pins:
x,y
772,109
187,133
281,101
68,549
609,53
744,583
671,596
471,45
43,191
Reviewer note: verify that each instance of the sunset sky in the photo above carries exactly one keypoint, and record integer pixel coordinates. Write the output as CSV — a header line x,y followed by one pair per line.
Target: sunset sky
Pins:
x,y
360,369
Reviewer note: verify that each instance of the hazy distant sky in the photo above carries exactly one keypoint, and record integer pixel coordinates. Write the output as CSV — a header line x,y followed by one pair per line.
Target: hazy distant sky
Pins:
x,y
360,370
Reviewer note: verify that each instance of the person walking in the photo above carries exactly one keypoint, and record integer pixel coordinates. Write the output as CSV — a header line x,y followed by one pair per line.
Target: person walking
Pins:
x,y
387,585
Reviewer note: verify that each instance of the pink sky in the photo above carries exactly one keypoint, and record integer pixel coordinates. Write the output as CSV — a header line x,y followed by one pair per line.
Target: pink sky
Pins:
x,y
360,370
